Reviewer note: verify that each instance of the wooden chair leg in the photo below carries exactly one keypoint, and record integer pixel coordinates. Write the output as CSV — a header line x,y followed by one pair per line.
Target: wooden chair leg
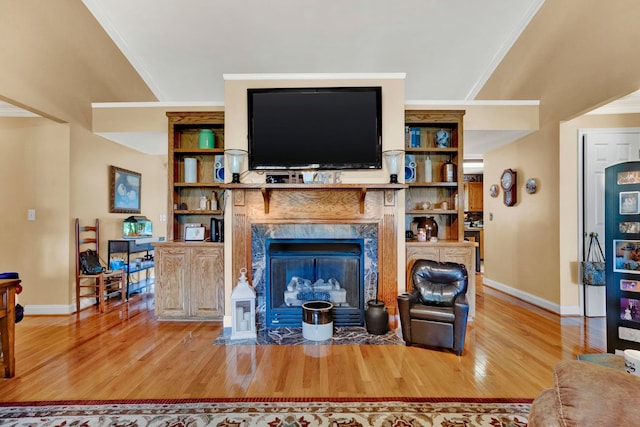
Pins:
x,y
100,279
123,287
77,295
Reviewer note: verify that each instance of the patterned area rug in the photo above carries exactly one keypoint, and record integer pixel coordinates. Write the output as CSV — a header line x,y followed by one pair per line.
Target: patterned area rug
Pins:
x,y
293,336
272,413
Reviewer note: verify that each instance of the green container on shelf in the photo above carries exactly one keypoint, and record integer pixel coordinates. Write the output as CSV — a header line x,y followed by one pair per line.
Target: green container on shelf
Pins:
x,y
206,139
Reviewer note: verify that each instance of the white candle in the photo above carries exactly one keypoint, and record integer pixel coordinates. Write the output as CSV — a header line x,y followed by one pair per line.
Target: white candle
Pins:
x,y
239,314
190,169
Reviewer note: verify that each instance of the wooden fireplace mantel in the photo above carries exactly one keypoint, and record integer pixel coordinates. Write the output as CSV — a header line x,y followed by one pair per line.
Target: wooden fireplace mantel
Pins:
x,y
267,189
321,204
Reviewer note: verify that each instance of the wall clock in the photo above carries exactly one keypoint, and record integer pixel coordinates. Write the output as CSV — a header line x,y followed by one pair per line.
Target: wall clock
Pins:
x,y
508,182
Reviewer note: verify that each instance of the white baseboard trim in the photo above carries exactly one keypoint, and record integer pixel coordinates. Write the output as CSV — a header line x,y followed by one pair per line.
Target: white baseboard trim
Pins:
x,y
49,309
533,299
56,309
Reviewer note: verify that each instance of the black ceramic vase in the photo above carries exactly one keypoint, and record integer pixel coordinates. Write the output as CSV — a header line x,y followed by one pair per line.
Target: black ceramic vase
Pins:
x,y
376,317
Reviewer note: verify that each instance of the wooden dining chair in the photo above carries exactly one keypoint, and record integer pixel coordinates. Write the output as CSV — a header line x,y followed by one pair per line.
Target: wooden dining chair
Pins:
x,y
99,286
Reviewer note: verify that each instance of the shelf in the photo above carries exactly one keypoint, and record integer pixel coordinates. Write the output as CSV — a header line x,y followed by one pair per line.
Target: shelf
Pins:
x,y
430,150
196,212
432,184
266,189
139,285
432,212
198,151
429,122
197,184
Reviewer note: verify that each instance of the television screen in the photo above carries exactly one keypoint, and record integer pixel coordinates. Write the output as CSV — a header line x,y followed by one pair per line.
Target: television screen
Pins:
x,y
315,128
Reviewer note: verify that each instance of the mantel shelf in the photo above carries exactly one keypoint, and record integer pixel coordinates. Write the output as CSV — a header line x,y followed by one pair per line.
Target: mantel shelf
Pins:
x,y
267,189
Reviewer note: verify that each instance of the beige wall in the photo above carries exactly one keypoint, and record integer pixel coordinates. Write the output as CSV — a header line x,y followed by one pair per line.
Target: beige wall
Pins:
x,y
571,64
91,157
61,171
59,168
520,241
35,175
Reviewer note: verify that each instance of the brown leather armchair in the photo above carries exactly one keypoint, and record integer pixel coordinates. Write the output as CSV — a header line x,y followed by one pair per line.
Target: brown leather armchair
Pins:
x,y
435,313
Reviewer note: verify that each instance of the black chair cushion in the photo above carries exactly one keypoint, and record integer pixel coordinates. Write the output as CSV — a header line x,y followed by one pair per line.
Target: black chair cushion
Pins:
x,y
439,283
432,313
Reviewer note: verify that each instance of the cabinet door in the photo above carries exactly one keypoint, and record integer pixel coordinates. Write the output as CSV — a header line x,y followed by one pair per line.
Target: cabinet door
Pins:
x,y
207,282
460,255
171,296
475,196
416,252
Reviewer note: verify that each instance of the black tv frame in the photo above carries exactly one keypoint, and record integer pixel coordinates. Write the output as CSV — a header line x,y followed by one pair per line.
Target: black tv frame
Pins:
x,y
370,161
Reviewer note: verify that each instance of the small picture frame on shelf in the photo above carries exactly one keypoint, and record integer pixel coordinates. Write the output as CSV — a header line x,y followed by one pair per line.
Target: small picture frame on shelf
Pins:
x,y
629,285
630,309
628,177
629,203
629,227
626,256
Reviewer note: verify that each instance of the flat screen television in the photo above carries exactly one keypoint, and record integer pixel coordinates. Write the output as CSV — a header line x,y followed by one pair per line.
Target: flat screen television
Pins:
x,y
315,128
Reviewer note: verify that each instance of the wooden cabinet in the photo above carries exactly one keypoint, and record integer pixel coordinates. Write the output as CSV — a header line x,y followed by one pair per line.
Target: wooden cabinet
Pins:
x,y
438,194
185,193
473,197
190,280
459,252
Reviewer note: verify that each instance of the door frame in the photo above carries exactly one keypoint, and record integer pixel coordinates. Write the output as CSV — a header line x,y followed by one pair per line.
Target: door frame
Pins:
x,y
582,133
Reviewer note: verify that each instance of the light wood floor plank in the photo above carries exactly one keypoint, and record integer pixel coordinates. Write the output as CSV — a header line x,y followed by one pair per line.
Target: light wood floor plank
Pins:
x,y
126,353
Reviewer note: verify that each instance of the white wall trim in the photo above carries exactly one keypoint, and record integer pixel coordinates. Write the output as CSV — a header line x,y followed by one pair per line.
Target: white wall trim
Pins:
x,y
316,76
532,299
49,309
162,104
460,102
502,51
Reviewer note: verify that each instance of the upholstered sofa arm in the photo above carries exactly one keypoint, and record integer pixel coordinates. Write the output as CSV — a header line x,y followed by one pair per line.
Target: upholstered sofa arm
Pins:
x,y
405,301
586,394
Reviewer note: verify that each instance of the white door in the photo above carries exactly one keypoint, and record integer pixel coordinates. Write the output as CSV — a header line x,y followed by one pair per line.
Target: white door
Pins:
x,y
602,148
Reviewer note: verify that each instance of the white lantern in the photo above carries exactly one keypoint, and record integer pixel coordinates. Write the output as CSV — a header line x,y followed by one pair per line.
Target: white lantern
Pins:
x,y
243,303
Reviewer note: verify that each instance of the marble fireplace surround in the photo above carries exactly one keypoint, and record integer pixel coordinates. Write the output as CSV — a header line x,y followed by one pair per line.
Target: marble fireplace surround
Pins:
x,y
367,211
368,232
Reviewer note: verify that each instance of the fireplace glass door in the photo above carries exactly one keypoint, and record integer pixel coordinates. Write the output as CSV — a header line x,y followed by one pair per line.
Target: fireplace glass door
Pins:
x,y
301,270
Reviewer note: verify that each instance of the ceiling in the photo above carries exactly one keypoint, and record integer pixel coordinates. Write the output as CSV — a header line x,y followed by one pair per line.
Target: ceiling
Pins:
x,y
182,48
448,49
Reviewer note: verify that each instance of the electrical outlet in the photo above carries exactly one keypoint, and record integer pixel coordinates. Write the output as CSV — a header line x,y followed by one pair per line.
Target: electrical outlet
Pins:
x,y
31,215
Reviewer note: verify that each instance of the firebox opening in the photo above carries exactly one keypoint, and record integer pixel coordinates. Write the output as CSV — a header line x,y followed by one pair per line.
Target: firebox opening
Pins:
x,y
301,270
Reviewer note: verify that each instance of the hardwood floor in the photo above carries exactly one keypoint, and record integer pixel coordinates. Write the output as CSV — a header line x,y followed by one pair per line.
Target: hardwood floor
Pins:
x,y
126,353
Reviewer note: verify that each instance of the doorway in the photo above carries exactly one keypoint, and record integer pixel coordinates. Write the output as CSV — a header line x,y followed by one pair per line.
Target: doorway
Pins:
x,y
600,148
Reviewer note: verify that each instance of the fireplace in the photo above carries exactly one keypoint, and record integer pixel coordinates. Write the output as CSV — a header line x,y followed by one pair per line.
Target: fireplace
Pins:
x,y
334,212
347,253
302,270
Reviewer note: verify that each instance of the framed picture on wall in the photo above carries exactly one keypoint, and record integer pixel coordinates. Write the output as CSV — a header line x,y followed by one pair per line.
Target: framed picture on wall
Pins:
x,y
630,309
626,255
124,190
628,203
630,285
